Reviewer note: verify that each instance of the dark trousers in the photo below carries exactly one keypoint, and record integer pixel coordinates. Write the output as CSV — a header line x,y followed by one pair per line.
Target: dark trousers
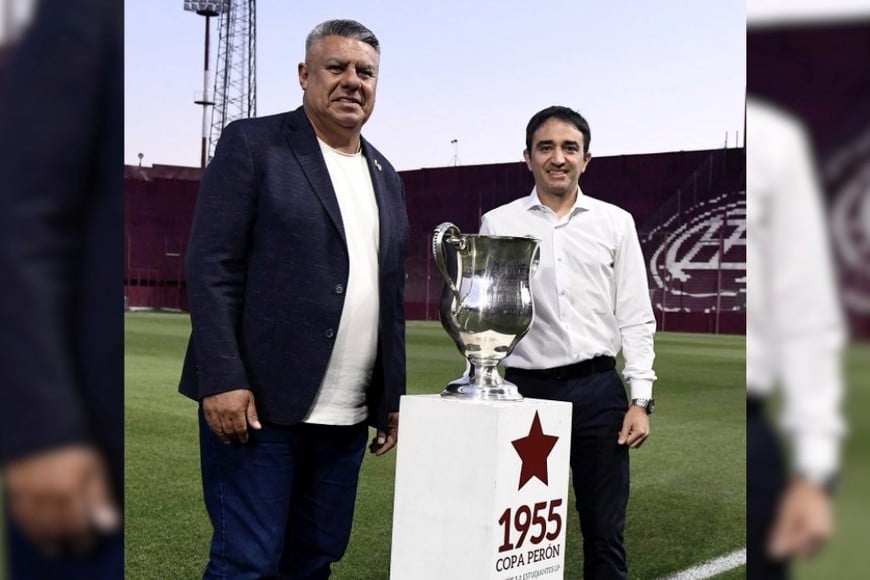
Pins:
x,y
599,466
765,483
280,505
26,562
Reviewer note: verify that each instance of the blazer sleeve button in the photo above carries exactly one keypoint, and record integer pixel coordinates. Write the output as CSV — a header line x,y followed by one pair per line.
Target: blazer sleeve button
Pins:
x,y
339,289
329,333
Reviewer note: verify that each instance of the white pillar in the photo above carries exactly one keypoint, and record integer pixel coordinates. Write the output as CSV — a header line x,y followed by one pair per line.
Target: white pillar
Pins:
x,y
481,489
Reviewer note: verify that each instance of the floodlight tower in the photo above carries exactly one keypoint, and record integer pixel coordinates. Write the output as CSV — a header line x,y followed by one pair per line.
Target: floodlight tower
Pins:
x,y
235,84
208,9
455,143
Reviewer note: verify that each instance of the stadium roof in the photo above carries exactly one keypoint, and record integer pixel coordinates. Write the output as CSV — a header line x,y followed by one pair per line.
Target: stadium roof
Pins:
x,y
158,171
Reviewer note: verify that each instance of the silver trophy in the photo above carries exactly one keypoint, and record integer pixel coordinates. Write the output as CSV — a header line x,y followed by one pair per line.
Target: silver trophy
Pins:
x,y
486,306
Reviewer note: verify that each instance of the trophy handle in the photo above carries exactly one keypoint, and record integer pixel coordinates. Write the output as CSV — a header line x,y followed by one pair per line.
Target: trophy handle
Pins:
x,y
536,261
451,233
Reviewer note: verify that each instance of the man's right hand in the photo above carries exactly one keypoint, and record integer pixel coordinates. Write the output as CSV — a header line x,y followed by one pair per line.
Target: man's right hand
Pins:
x,y
60,496
230,414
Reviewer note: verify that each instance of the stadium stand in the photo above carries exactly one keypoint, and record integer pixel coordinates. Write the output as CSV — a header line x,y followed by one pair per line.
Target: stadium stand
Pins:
x,y
158,212
689,206
811,71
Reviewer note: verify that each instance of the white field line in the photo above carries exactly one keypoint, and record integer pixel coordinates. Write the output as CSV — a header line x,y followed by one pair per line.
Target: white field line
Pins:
x,y
712,567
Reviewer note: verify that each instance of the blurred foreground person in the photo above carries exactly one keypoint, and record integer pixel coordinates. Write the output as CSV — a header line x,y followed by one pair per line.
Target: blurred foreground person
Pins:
x,y
61,308
795,336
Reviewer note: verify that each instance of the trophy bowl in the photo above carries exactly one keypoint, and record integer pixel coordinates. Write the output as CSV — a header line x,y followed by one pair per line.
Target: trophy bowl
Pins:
x,y
486,306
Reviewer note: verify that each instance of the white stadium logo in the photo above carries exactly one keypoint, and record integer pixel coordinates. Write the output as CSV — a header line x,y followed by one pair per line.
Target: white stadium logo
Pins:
x,y
850,225
701,266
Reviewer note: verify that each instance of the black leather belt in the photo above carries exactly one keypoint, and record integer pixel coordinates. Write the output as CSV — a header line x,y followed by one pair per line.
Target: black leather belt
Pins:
x,y
599,364
754,404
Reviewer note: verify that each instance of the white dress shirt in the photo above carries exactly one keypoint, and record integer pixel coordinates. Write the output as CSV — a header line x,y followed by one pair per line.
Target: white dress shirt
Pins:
x,y
341,399
795,331
590,289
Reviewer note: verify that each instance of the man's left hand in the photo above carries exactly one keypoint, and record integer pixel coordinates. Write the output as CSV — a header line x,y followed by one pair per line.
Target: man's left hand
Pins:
x,y
386,440
804,521
635,427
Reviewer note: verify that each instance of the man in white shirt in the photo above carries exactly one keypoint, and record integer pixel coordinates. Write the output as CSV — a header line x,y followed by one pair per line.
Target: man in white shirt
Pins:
x,y
591,300
795,334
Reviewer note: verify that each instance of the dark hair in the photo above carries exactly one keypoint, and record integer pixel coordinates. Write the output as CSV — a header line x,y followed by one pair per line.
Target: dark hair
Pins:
x,y
347,29
564,114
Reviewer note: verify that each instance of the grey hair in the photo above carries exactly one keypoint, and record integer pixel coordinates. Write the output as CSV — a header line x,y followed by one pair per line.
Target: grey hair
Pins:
x,y
347,29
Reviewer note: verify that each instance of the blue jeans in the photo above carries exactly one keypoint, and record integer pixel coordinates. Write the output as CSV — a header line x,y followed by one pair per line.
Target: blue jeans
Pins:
x,y
281,505
599,465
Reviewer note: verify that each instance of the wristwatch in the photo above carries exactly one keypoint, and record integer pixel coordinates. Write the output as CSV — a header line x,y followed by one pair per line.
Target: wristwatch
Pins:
x,y
829,482
648,404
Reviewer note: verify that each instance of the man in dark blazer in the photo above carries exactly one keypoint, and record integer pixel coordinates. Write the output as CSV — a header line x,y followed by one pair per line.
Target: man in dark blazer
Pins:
x,y
61,302
295,274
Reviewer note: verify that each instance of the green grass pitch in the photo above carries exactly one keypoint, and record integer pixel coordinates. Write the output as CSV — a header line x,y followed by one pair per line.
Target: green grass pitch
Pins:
x,y
687,502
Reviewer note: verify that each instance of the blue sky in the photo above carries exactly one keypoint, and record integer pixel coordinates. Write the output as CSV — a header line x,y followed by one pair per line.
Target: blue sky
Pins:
x,y
649,76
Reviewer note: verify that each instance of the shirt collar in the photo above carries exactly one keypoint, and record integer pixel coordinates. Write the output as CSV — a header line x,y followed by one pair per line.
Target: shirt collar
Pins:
x,y
581,203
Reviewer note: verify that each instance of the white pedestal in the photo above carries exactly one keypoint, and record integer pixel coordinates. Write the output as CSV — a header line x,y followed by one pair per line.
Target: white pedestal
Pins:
x,y
467,505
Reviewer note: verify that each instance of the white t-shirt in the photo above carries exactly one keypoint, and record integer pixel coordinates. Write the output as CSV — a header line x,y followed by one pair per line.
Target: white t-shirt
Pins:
x,y
341,399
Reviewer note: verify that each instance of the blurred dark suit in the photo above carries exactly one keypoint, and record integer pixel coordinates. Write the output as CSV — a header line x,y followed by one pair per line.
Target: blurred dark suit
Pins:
x,y
61,244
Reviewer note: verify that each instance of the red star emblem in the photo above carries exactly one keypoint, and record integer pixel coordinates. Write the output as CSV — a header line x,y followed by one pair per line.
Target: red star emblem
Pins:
x,y
533,450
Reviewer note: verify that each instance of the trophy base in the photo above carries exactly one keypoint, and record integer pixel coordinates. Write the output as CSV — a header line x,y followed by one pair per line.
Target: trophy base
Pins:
x,y
465,388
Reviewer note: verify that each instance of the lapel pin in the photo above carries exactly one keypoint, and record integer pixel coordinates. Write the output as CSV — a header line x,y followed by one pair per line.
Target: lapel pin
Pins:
x,y
378,165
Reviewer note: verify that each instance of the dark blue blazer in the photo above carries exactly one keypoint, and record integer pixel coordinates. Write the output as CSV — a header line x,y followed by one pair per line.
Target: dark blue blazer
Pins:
x,y
267,266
